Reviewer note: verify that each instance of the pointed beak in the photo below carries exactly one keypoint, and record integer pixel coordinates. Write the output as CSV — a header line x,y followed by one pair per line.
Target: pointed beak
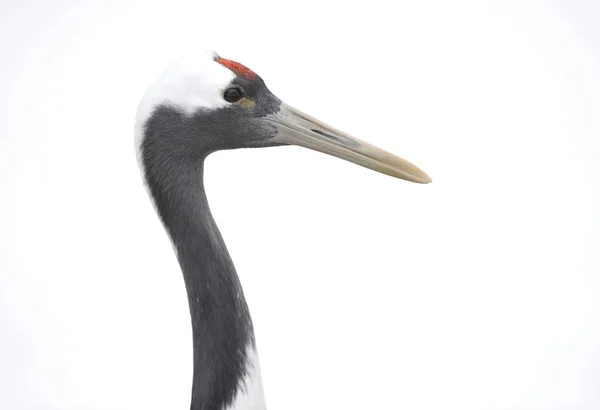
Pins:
x,y
297,128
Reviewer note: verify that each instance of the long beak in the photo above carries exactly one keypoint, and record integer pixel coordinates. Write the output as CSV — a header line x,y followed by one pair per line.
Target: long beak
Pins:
x,y
297,128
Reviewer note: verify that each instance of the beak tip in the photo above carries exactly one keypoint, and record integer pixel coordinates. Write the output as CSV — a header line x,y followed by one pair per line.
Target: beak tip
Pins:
x,y
422,178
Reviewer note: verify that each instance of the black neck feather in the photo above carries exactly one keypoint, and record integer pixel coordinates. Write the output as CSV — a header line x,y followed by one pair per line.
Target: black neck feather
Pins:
x,y
221,323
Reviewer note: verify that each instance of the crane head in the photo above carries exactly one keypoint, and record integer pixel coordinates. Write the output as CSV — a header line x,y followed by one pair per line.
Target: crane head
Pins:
x,y
204,103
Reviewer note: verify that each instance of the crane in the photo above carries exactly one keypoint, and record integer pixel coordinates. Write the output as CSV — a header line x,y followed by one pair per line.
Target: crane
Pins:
x,y
201,104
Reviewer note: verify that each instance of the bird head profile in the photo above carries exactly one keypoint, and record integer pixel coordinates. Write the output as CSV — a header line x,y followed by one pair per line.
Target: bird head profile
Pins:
x,y
204,103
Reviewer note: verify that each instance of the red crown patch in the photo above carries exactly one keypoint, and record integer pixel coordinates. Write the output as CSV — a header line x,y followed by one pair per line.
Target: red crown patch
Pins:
x,y
237,68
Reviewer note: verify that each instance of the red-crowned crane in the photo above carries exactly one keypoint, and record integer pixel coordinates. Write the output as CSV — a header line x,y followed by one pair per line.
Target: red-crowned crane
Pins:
x,y
200,105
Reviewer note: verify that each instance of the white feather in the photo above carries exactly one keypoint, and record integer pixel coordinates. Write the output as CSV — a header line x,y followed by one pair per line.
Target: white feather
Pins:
x,y
250,394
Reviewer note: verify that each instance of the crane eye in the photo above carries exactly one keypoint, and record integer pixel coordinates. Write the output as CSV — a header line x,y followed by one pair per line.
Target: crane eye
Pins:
x,y
233,94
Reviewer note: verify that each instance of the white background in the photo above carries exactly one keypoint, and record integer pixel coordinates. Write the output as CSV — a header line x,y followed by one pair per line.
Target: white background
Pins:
x,y
479,291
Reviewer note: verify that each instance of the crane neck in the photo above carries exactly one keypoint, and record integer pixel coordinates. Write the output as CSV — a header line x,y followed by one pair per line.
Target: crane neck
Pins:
x,y
226,371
